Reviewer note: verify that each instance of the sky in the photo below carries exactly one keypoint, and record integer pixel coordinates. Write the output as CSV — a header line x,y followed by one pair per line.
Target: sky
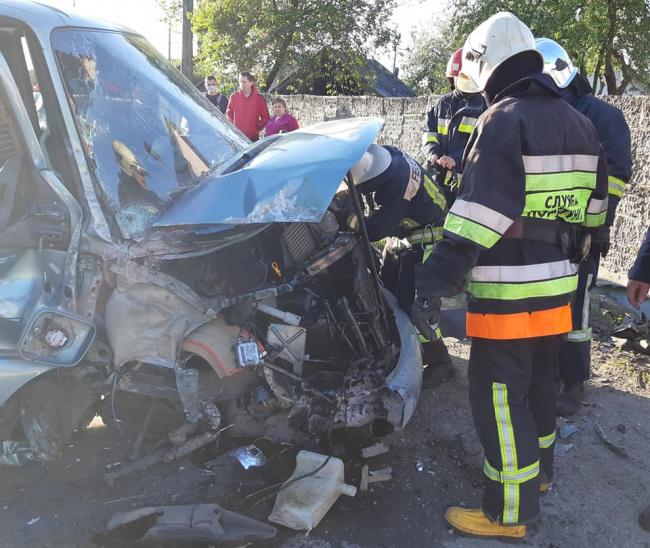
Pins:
x,y
145,16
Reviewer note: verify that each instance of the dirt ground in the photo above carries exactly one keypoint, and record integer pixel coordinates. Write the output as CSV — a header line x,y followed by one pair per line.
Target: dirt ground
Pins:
x,y
436,462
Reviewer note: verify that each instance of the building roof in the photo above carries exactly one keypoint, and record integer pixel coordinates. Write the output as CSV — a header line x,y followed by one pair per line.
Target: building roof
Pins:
x,y
383,82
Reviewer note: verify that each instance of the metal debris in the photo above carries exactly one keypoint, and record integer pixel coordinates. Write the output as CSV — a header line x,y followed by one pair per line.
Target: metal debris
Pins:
x,y
16,453
419,466
249,457
608,443
33,521
374,450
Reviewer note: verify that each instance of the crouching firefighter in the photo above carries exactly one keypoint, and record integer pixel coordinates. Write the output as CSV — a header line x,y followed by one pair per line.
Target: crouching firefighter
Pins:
x,y
449,125
574,360
407,209
534,179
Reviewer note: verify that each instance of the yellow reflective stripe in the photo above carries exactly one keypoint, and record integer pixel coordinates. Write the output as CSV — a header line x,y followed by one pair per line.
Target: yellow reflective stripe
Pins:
x,y
524,290
409,224
560,181
546,441
508,450
429,137
593,220
434,193
471,231
616,186
519,476
465,128
568,205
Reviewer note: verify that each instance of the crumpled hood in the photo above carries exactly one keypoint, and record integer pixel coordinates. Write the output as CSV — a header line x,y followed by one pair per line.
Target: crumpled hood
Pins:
x,y
292,180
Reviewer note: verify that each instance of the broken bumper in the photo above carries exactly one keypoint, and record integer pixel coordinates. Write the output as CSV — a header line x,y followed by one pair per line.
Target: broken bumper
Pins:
x,y
405,382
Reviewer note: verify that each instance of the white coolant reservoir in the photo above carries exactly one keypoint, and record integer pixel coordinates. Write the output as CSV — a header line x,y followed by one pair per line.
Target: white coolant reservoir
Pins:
x,y
310,492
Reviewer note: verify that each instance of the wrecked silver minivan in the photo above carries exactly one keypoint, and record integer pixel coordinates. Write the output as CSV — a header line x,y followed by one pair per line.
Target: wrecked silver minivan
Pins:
x,y
156,263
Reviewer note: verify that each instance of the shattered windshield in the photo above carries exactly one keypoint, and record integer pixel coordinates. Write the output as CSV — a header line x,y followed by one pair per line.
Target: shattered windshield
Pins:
x,y
147,131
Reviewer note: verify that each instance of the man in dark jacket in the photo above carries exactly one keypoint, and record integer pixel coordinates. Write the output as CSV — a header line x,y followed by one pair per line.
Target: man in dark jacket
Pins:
x,y
449,125
638,283
406,207
217,98
533,181
574,359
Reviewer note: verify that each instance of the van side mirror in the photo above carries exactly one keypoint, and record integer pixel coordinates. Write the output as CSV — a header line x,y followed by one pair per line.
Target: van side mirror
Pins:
x,y
56,337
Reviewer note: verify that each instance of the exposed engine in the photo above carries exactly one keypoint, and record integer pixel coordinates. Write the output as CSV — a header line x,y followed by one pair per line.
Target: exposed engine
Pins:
x,y
300,346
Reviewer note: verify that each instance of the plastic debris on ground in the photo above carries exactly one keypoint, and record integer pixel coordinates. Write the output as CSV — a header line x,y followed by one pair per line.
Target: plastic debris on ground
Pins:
x,y
315,485
33,521
181,525
567,430
249,457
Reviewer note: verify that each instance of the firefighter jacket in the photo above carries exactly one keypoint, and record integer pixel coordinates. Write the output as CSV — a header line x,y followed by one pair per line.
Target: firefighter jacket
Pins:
x,y
449,125
534,172
614,136
405,199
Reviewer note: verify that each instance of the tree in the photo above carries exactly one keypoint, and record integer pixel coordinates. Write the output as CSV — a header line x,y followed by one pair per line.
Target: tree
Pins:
x,y
426,60
273,38
172,15
605,38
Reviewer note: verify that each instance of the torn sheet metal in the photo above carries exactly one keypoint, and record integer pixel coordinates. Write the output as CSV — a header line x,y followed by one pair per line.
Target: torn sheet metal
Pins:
x,y
148,323
173,525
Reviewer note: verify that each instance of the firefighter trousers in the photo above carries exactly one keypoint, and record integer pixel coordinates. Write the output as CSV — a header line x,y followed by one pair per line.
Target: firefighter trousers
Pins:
x,y
512,397
574,357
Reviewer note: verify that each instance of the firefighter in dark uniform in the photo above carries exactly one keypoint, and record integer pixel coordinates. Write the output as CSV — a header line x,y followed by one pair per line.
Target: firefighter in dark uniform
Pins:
x,y
407,206
574,359
449,125
534,185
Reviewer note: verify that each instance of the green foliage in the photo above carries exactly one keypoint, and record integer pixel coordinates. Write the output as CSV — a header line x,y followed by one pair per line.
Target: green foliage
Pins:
x,y
426,61
318,39
605,38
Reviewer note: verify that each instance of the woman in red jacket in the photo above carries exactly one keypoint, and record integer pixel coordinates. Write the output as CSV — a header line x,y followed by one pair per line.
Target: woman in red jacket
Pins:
x,y
247,108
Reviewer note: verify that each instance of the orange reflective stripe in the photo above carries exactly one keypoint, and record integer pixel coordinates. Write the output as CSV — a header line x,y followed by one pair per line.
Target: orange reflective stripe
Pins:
x,y
523,325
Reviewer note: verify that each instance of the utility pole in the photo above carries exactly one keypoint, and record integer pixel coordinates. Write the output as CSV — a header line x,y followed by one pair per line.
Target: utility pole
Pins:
x,y
398,37
187,39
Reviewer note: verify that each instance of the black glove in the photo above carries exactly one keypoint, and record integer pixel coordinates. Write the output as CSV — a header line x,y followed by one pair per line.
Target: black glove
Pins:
x,y
425,314
600,241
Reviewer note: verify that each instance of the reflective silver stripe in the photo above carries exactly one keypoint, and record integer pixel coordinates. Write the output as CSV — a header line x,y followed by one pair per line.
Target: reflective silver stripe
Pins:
x,y
482,214
546,441
560,162
582,335
444,122
597,206
468,120
586,303
524,273
518,476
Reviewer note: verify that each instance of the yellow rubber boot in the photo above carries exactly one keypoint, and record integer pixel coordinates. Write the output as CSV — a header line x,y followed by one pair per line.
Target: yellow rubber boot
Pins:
x,y
474,522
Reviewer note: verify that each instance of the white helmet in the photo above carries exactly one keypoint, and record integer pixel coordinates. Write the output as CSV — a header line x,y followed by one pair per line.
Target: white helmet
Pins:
x,y
374,162
557,63
495,40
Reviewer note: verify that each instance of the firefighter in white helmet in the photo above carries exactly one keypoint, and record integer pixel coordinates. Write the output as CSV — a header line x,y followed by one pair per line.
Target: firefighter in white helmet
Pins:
x,y
534,185
407,209
574,361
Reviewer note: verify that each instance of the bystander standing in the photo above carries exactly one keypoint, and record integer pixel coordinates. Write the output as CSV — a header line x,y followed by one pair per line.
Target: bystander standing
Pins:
x,y
247,108
281,121
213,94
